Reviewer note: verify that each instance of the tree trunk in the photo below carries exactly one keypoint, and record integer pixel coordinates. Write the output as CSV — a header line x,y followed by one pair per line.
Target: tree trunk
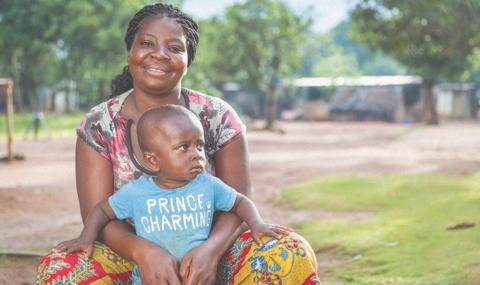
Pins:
x,y
429,104
27,91
271,107
103,92
17,102
474,107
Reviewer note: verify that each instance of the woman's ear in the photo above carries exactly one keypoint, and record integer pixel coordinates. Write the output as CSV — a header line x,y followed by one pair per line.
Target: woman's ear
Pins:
x,y
152,161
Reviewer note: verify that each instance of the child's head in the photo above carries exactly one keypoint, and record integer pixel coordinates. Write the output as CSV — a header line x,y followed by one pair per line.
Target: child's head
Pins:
x,y
171,140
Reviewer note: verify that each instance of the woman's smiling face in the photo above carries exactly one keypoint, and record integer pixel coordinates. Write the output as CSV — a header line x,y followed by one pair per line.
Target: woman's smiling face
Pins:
x,y
158,57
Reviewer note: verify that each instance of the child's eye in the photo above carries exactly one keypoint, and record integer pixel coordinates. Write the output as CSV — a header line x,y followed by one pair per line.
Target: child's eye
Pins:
x,y
200,146
183,147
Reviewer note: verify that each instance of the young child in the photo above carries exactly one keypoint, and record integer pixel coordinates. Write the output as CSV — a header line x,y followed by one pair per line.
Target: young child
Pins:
x,y
175,208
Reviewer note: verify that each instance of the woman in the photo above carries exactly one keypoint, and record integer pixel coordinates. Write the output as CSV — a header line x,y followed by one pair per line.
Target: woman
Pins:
x,y
161,42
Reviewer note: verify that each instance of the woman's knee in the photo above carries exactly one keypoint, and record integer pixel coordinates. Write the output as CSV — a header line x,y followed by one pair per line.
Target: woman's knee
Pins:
x,y
289,260
292,246
104,264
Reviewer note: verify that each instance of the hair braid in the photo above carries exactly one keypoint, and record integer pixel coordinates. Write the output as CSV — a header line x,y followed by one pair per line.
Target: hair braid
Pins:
x,y
124,81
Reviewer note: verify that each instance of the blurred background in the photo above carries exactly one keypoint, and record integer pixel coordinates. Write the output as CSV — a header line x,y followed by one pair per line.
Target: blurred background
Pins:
x,y
362,117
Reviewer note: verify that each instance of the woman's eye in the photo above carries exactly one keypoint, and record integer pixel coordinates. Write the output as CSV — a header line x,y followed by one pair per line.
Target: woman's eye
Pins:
x,y
175,49
146,43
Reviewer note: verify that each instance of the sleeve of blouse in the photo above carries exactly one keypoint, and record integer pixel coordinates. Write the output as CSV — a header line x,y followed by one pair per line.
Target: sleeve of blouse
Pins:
x,y
93,130
227,125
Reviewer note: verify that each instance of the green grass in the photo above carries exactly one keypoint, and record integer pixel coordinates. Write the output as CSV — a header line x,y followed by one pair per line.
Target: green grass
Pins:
x,y
406,241
60,125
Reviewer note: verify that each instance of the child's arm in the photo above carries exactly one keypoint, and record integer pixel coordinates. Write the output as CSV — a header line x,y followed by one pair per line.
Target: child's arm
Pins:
x,y
98,217
248,212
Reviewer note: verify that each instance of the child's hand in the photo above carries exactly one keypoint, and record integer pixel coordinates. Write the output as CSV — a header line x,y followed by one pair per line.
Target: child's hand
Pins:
x,y
261,229
78,244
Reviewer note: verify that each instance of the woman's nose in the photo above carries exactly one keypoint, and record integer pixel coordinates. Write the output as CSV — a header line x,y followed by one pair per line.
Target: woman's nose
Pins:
x,y
160,52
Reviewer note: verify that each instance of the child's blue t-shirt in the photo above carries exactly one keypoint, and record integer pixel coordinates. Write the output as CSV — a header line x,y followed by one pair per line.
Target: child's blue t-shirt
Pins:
x,y
177,220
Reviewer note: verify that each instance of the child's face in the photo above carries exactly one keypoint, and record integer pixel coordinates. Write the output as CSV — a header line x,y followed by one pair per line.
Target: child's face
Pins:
x,y
179,152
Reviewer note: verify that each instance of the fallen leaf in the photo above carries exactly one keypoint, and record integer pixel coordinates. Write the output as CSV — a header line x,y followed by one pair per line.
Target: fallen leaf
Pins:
x,y
461,226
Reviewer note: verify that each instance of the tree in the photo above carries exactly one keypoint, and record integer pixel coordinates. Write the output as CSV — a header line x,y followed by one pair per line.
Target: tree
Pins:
x,y
332,60
369,62
26,42
256,43
93,41
47,42
433,39
335,53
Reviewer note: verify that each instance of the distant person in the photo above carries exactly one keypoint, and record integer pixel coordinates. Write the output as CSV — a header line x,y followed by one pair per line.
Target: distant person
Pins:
x,y
161,43
2,106
174,209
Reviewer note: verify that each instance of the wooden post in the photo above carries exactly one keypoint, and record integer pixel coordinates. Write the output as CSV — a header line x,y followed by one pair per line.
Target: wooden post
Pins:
x,y
9,107
8,83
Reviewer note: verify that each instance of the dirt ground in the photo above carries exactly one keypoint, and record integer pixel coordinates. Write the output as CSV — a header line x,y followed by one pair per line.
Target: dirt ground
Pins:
x,y
38,206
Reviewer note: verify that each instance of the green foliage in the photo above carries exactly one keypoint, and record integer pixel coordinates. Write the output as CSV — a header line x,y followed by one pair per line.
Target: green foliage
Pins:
x,y
47,42
335,53
369,62
26,41
474,73
333,61
204,74
262,41
432,38
406,240
255,43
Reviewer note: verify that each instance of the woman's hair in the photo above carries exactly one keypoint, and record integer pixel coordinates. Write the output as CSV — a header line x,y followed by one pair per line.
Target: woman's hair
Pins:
x,y
124,81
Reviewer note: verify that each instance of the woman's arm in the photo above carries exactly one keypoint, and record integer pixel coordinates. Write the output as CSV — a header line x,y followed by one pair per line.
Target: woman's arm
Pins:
x,y
94,177
97,218
231,166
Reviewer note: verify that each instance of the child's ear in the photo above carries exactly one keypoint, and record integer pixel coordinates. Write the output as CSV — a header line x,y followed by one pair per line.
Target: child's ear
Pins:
x,y
152,161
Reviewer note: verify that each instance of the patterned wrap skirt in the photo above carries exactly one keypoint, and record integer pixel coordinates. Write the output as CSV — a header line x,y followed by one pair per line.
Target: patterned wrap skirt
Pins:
x,y
288,261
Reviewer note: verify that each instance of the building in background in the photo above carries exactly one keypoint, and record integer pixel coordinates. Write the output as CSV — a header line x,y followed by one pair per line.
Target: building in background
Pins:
x,y
457,100
379,98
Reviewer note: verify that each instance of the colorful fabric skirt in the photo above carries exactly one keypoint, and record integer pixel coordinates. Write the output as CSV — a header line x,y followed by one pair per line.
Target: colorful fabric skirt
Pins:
x,y
288,261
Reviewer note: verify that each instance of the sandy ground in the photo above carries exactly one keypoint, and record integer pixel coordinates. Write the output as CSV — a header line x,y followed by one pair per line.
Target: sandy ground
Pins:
x,y
38,206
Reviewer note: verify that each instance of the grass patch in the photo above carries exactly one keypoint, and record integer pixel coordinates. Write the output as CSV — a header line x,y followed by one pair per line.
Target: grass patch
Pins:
x,y
407,241
60,125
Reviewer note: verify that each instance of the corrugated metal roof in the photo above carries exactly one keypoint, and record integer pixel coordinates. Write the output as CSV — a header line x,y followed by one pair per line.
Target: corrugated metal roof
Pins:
x,y
357,81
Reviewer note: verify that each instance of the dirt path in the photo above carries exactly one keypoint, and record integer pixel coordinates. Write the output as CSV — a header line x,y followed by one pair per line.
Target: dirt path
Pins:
x,y
38,205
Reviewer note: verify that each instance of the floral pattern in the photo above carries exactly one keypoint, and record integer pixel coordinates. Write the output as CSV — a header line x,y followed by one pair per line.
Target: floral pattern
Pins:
x,y
102,268
289,261
104,129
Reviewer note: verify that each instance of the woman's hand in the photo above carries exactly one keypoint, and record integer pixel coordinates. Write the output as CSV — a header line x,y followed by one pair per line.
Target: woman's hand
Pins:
x,y
156,266
199,266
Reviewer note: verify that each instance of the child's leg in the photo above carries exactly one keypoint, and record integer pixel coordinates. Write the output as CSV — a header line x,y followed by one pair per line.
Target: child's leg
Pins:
x,y
104,267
